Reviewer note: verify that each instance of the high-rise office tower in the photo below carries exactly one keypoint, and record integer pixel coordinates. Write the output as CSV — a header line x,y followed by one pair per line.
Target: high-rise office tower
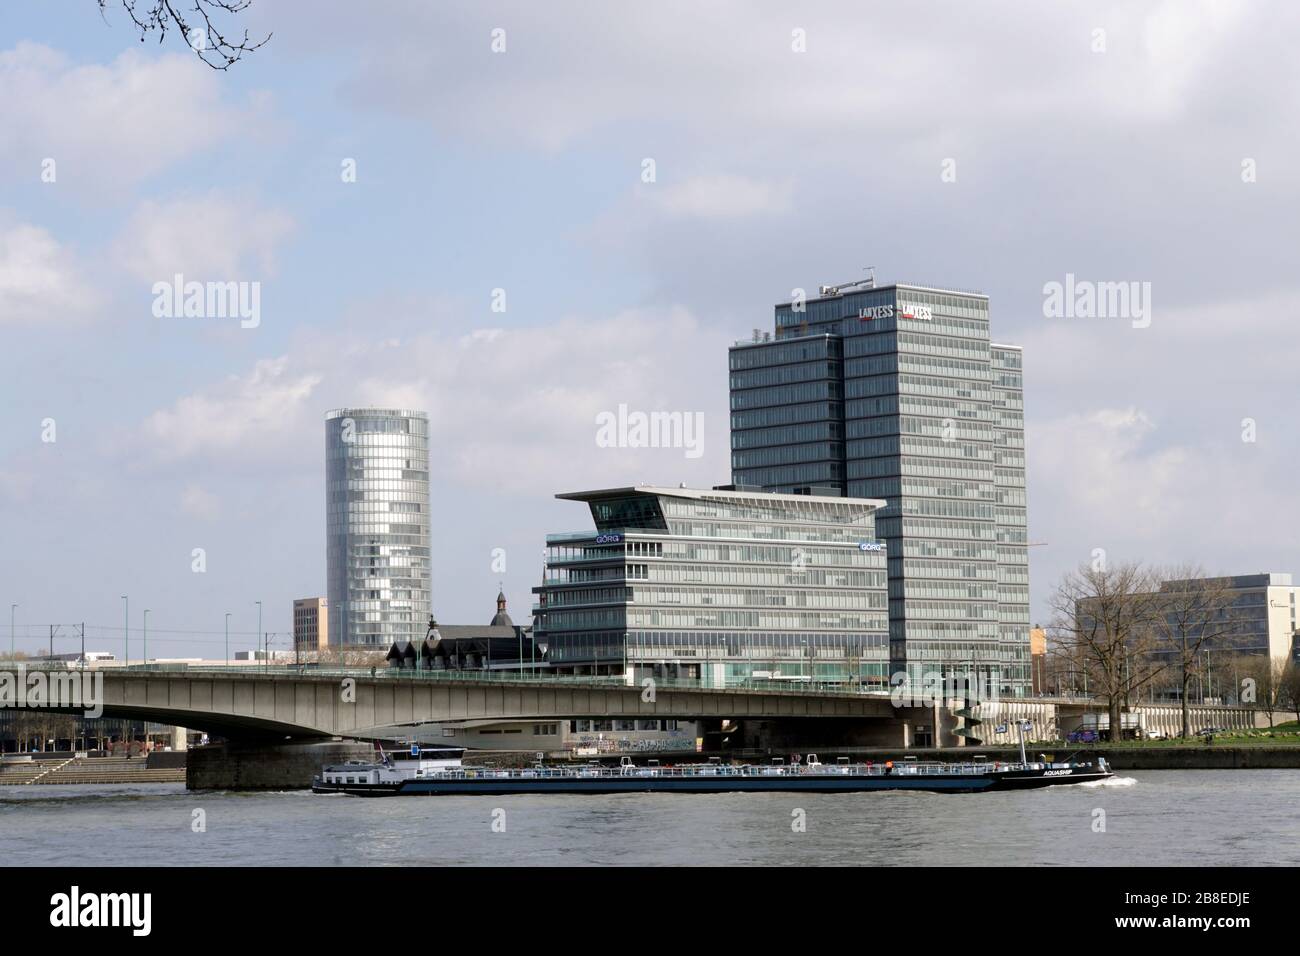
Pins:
x,y
896,392
377,525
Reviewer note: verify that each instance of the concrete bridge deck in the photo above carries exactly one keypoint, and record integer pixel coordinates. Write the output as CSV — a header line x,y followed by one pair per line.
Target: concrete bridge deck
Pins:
x,y
310,703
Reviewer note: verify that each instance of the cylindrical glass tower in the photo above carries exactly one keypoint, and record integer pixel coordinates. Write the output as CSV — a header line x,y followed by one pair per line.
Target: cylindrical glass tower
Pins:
x,y
377,525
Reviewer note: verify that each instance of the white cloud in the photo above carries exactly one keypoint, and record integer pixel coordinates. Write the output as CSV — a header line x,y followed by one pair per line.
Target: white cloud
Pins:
x,y
40,279
718,197
207,238
252,415
513,407
112,125
868,73
199,503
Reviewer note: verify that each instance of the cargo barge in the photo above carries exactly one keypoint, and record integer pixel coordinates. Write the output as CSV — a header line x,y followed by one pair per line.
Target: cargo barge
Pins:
x,y
444,775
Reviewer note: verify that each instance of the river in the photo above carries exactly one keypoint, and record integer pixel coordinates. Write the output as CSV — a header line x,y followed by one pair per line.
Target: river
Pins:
x,y
1167,817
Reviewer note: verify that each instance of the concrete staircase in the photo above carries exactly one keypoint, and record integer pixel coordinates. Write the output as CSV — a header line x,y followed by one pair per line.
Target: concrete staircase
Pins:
x,y
76,770
19,774
110,770
49,770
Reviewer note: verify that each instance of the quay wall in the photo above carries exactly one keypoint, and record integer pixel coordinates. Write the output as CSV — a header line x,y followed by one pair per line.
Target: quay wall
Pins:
x,y
230,766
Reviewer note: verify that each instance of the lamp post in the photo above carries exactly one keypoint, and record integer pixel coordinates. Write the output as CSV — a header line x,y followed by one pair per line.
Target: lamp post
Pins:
x,y
126,630
259,625
144,639
227,637
12,652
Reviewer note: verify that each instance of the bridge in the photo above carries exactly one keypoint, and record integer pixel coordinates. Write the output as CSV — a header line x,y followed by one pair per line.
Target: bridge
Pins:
x,y
281,723
276,703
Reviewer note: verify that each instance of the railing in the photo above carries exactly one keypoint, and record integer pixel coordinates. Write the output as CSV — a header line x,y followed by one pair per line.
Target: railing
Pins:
x,y
501,676
449,675
907,769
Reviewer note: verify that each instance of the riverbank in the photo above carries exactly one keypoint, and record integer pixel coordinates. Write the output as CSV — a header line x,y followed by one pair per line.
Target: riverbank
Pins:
x,y
60,769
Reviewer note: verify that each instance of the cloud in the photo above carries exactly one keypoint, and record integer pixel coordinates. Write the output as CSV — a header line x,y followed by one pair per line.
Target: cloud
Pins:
x,y
198,503
251,415
40,279
718,197
114,124
517,407
207,238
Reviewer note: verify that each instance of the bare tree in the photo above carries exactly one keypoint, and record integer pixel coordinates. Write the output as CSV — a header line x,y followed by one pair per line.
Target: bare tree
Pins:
x,y
1291,687
352,655
1267,674
1192,614
193,19
1102,617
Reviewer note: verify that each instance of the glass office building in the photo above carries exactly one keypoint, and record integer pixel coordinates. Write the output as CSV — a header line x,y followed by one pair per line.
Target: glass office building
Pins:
x,y
720,586
896,393
377,525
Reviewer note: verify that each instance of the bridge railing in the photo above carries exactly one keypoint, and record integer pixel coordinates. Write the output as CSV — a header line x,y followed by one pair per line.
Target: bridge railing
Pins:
x,y
451,676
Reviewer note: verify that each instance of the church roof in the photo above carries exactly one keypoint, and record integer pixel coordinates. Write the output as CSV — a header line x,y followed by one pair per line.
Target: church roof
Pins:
x,y
501,618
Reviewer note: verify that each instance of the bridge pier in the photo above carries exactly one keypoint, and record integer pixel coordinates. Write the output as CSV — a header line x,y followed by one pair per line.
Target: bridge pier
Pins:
x,y
795,734
261,766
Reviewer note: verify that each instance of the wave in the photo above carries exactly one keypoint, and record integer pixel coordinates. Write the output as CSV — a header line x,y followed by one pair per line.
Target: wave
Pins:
x,y
1110,782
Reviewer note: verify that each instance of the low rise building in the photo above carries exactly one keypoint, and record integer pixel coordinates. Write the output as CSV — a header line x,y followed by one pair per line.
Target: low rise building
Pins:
x,y
311,625
721,586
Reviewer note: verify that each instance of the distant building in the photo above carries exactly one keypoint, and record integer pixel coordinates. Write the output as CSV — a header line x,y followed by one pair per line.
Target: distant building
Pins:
x,y
260,655
721,585
1259,621
310,624
377,525
499,645
1263,613
1038,659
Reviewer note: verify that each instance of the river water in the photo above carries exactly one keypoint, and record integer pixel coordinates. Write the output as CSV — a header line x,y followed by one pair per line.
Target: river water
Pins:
x,y
1155,818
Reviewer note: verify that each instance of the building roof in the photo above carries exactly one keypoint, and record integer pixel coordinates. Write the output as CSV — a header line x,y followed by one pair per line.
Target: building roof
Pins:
x,y
714,494
501,618
860,287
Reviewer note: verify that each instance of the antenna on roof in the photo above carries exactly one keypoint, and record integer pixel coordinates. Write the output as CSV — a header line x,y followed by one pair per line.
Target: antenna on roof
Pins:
x,y
868,283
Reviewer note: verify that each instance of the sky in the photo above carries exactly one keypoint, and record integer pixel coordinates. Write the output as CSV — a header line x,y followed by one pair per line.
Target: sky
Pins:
x,y
448,207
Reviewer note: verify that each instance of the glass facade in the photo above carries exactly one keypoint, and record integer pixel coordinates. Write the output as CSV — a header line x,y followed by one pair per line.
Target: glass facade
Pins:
x,y
718,585
377,525
916,407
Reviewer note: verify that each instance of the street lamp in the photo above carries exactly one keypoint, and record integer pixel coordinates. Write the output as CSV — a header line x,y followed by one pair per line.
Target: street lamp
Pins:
x,y
144,640
227,637
259,625
126,630
12,652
